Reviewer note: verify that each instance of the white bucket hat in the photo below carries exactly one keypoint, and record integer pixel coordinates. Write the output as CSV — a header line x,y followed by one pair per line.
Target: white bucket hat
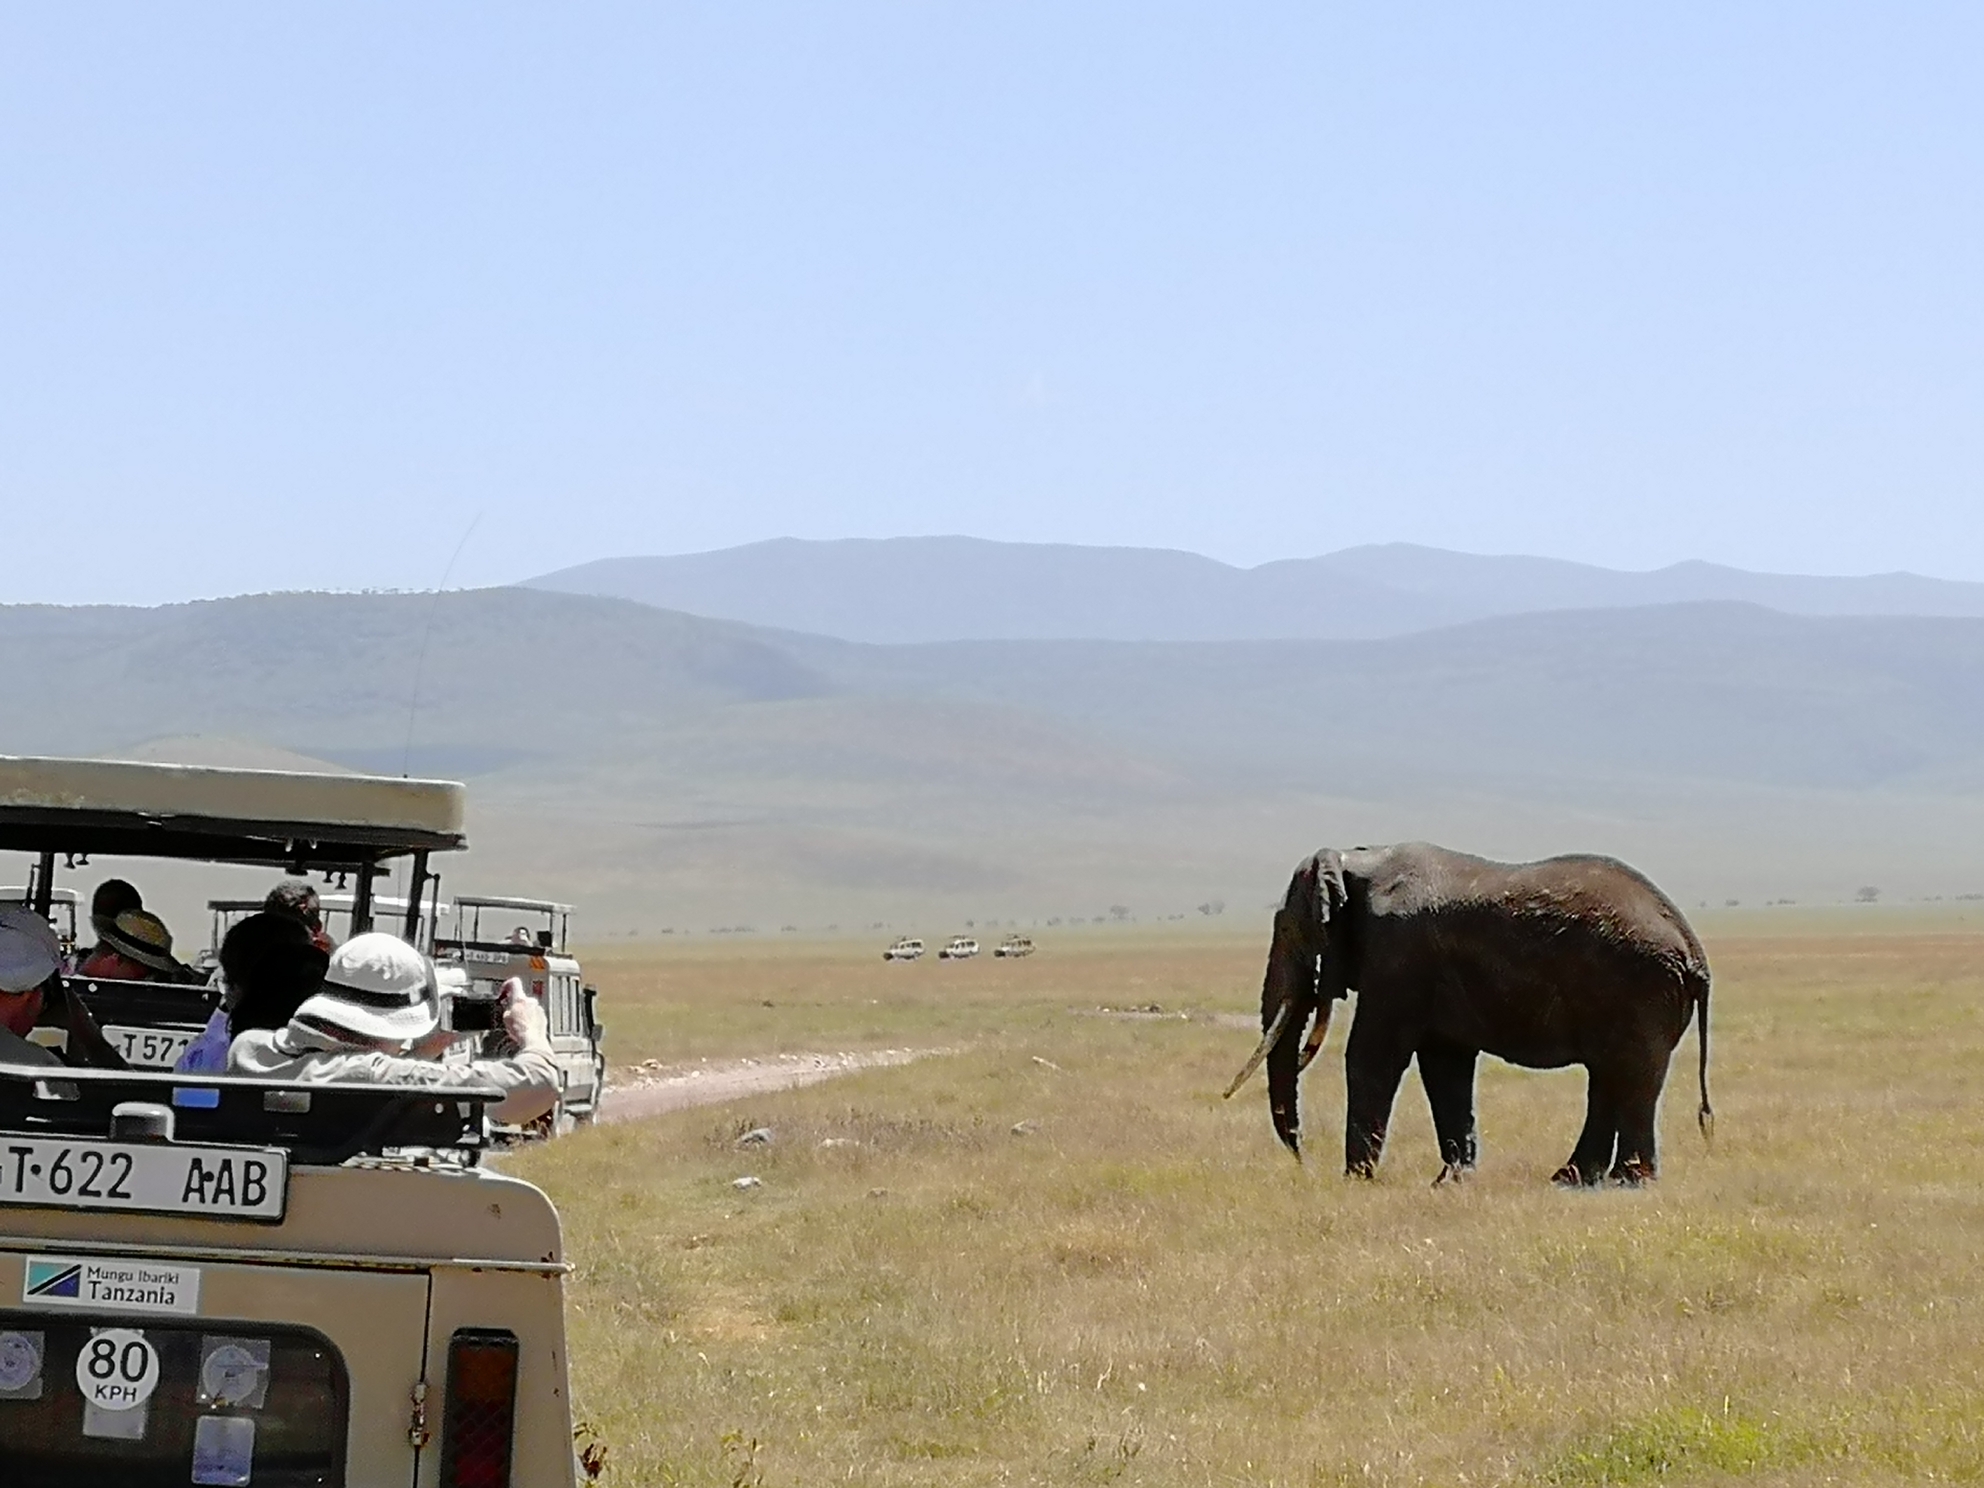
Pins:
x,y
29,952
378,992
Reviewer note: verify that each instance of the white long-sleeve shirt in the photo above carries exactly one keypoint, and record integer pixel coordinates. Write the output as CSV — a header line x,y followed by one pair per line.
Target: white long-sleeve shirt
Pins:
x,y
528,1078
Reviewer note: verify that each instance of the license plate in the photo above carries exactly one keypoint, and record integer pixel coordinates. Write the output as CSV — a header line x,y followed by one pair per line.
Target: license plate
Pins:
x,y
150,1048
214,1182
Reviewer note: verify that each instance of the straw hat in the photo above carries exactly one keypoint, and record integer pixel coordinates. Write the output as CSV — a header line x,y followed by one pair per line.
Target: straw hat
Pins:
x,y
378,992
139,935
29,952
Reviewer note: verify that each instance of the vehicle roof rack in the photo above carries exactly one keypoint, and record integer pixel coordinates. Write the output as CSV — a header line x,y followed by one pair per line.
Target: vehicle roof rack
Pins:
x,y
318,1125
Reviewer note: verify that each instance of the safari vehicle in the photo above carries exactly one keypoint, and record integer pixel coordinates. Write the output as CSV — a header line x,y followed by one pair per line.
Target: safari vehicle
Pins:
x,y
61,912
216,1280
961,948
1013,945
291,1285
905,949
499,937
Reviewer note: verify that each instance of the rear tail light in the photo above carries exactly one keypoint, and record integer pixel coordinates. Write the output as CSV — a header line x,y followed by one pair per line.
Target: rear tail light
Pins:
x,y
482,1409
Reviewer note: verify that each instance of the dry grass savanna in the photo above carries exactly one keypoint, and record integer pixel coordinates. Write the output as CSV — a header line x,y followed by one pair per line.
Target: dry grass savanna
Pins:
x,y
1055,1256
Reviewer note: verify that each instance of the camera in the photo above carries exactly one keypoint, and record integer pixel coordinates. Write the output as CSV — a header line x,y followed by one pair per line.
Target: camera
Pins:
x,y
473,1014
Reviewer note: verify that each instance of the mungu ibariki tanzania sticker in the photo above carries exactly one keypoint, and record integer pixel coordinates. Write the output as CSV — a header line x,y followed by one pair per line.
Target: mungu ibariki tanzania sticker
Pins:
x,y
110,1285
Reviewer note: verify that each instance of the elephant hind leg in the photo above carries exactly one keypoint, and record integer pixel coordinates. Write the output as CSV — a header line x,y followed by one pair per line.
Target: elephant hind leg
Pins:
x,y
1593,1154
1638,1102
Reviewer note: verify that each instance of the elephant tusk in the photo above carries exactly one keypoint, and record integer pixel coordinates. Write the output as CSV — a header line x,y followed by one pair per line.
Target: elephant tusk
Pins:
x,y
1268,1041
1315,1041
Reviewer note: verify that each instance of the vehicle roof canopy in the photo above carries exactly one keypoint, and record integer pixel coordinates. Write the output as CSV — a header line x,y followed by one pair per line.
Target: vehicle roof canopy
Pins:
x,y
267,817
329,903
503,901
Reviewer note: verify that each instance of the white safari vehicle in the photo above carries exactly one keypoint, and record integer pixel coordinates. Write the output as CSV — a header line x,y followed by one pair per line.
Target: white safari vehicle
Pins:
x,y
961,948
61,912
905,949
498,937
213,1280
1013,946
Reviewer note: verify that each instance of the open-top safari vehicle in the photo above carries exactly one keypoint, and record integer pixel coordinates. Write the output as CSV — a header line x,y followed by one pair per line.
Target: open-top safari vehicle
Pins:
x,y
215,1280
496,937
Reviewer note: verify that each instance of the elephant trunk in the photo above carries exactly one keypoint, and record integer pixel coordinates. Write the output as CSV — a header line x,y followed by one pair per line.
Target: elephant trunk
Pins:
x,y
1288,995
1283,1093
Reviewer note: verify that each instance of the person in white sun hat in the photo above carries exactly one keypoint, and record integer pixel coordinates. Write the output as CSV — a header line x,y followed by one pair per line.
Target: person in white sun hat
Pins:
x,y
30,957
377,1020
30,979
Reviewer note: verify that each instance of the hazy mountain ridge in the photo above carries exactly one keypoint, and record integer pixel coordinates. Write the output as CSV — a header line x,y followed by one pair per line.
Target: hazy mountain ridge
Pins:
x,y
913,590
683,770
1706,690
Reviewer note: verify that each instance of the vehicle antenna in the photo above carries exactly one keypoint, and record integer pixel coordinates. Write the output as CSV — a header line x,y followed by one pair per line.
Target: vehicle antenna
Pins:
x,y
420,662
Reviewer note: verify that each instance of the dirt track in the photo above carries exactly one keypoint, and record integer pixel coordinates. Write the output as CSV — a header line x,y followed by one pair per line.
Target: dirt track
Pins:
x,y
651,1091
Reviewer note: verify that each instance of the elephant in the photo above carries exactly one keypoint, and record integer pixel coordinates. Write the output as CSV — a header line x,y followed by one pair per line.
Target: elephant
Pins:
x,y
1572,960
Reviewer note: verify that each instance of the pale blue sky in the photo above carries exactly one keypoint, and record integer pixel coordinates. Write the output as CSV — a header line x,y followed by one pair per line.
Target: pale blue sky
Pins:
x,y
290,294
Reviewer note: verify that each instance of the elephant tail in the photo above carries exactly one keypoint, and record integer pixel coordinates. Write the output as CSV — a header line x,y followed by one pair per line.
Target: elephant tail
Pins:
x,y
1705,1117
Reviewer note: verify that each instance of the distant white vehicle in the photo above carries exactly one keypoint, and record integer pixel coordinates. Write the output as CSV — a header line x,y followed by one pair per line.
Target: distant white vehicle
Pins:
x,y
1013,945
905,949
961,948
61,911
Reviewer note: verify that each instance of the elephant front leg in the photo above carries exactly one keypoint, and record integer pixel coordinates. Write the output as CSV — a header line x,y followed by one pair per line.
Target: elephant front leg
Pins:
x,y
1447,1072
1372,1067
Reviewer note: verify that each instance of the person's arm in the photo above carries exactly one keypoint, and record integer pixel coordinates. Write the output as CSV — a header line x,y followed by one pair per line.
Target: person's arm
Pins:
x,y
529,1077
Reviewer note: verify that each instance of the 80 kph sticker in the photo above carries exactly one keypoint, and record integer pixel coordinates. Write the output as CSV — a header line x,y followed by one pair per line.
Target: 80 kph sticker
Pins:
x,y
117,1369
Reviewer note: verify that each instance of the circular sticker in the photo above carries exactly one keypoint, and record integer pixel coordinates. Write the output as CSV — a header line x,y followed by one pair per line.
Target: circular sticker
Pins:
x,y
229,1374
117,1369
20,1361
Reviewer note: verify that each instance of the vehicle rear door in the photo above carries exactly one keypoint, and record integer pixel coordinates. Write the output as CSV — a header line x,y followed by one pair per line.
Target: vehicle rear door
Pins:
x,y
272,1375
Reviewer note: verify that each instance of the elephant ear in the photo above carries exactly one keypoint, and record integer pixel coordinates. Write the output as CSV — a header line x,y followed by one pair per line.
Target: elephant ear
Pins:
x,y
1329,884
1333,983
